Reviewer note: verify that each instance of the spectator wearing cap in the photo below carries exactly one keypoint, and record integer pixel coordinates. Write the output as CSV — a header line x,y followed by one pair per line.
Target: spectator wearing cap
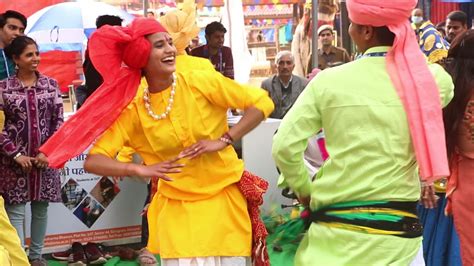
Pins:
x,y
328,54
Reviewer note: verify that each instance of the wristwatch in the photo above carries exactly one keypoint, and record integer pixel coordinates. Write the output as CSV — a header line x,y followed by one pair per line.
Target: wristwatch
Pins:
x,y
17,155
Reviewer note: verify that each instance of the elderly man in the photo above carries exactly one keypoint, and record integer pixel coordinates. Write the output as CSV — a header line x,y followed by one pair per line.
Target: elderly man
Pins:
x,y
383,125
284,87
330,55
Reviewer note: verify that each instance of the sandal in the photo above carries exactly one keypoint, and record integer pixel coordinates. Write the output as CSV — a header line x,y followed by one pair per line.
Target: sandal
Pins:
x,y
124,253
146,258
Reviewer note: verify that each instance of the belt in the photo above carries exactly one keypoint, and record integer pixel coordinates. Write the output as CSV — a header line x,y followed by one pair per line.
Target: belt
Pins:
x,y
396,218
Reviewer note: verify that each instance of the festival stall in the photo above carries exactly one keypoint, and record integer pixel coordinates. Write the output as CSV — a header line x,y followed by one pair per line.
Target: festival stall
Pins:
x,y
270,26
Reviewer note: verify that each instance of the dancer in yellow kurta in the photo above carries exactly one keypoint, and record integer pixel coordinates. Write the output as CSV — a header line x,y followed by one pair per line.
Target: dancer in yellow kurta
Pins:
x,y
199,210
179,128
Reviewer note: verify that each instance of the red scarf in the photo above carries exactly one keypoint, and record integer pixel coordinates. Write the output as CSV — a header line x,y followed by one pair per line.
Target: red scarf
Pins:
x,y
109,47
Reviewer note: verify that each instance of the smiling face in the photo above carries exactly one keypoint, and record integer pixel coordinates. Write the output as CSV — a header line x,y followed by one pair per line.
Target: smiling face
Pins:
x,y
29,59
162,61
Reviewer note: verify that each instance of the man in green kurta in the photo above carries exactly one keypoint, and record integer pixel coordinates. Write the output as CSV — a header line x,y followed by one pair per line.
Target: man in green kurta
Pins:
x,y
366,191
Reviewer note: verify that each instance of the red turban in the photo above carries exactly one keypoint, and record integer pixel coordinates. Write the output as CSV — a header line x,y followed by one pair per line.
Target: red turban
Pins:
x,y
412,79
109,47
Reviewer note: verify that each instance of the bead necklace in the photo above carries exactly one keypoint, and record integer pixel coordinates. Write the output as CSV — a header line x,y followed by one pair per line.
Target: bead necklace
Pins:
x,y
146,99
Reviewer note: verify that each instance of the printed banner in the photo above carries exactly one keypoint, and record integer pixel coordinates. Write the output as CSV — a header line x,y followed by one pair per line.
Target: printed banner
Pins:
x,y
93,209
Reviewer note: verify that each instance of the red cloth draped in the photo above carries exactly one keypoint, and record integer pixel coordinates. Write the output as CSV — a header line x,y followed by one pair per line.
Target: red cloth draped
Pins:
x,y
412,79
109,47
253,188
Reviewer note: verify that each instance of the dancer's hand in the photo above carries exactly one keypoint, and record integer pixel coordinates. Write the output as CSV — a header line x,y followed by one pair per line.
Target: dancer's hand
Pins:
x,y
25,162
428,196
202,146
158,170
41,161
304,201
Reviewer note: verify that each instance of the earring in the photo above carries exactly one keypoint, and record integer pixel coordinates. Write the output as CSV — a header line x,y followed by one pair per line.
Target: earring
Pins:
x,y
16,67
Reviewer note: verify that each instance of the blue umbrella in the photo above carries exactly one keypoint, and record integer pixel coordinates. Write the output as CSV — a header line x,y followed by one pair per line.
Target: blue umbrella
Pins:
x,y
66,26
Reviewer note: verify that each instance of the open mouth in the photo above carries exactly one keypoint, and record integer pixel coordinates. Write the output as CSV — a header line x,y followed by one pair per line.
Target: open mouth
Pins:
x,y
168,59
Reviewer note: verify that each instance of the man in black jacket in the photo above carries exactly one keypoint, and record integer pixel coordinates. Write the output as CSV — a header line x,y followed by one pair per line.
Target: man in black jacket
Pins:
x,y
92,76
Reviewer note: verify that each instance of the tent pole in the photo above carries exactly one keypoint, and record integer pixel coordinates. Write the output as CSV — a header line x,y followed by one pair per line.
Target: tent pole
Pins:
x,y
346,39
314,48
145,7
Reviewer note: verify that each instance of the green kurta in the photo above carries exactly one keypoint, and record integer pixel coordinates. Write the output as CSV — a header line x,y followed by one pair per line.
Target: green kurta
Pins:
x,y
371,157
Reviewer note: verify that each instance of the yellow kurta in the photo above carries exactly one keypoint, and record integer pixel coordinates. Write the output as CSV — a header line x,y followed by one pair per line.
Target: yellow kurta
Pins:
x,y
11,252
183,63
202,212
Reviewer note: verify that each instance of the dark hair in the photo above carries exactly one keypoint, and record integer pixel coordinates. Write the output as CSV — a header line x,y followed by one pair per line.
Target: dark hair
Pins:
x,y
460,64
384,35
12,14
459,16
441,27
151,12
108,20
442,24
18,45
213,27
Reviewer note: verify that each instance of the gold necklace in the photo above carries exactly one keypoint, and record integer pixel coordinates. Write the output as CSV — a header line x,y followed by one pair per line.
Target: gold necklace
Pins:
x,y
146,99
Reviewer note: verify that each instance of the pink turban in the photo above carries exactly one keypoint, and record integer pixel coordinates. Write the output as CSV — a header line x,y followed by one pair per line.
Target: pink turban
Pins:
x,y
109,47
412,79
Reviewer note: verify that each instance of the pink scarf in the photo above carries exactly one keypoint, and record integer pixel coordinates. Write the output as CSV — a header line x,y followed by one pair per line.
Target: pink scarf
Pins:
x,y
412,79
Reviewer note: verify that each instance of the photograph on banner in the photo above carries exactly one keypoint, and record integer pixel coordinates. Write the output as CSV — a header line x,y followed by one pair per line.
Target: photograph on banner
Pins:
x,y
89,211
72,194
105,191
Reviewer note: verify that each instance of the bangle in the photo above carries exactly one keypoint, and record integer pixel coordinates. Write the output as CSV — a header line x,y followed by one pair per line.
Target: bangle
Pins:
x,y
226,140
228,136
17,155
